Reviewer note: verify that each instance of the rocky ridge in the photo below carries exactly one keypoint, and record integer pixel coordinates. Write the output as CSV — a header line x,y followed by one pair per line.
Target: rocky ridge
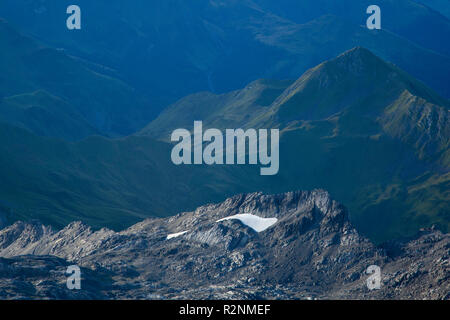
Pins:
x,y
312,251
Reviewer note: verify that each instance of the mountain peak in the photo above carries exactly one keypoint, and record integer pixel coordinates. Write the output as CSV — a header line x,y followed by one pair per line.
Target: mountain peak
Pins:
x,y
343,82
358,52
359,61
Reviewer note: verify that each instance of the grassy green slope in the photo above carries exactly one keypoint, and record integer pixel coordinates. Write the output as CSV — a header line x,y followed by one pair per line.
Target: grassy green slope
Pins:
x,y
101,181
235,109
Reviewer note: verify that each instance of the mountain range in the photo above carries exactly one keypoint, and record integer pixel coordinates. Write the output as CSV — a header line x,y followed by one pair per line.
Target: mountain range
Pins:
x,y
311,251
86,175
361,128
169,49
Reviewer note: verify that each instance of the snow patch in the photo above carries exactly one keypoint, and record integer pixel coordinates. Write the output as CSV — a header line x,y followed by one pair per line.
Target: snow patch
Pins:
x,y
175,235
256,223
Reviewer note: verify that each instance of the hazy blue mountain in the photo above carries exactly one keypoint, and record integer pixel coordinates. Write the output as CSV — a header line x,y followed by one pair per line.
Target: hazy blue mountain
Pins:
x,y
168,48
406,18
53,94
442,6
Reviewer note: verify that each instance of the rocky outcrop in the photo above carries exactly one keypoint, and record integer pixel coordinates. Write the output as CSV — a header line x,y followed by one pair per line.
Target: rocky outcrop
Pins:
x,y
312,251
43,277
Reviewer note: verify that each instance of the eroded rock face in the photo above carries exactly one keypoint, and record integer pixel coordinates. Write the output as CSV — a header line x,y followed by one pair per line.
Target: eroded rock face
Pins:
x,y
312,251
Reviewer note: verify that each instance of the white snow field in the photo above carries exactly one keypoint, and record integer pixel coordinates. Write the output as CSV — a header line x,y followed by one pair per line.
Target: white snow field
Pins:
x,y
174,235
256,223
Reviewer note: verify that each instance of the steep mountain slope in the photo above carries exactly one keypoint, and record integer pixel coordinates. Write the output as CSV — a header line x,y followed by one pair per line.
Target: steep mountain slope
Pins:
x,y
357,126
363,95
312,251
46,91
360,125
168,49
365,147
